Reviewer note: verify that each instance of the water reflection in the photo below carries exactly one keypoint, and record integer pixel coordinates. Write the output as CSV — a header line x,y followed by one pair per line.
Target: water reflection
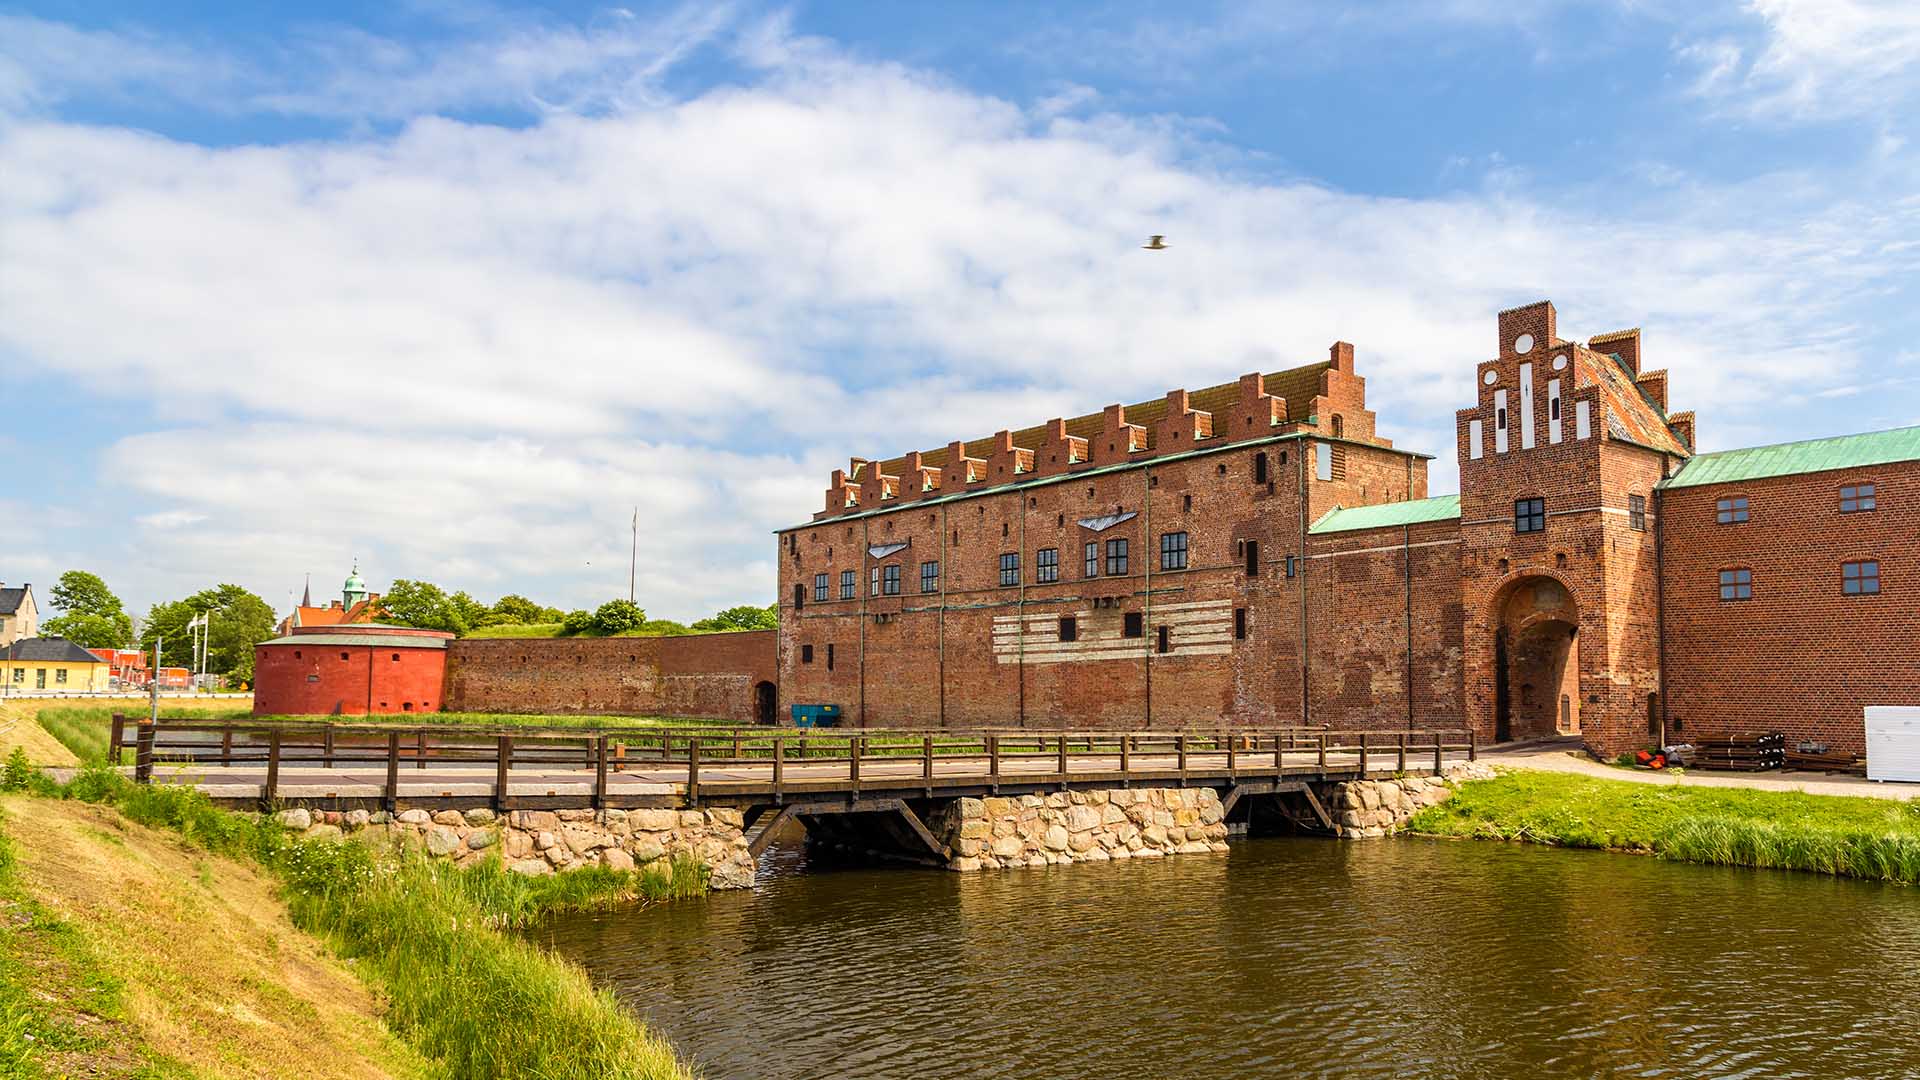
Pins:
x,y
1286,957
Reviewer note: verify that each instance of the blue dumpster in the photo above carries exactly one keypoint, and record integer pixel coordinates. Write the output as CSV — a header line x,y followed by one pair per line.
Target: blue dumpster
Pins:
x,y
816,716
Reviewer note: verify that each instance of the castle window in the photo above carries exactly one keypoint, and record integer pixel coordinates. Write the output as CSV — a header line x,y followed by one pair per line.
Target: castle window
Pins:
x,y
60,674
820,587
1010,568
1240,623
1260,467
1251,549
1093,558
846,584
1046,565
1293,565
1529,515
929,577
1186,502
1856,498
890,580
1163,639
1323,461
396,658
1173,551
829,656
1637,512
1730,511
873,581
1069,628
1860,578
1736,584
806,654
343,656
1132,625
1339,427
1116,558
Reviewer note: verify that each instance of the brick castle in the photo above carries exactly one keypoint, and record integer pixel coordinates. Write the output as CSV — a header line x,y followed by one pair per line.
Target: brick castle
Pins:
x,y
1255,554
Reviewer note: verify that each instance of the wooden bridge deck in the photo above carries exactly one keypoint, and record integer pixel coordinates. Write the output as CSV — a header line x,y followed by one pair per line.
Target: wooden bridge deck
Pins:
x,y
382,767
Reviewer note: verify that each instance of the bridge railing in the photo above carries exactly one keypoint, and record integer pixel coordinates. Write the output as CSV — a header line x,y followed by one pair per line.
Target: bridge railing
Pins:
x,y
817,757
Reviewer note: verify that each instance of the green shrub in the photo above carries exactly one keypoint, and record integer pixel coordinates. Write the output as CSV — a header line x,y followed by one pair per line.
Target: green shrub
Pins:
x,y
18,771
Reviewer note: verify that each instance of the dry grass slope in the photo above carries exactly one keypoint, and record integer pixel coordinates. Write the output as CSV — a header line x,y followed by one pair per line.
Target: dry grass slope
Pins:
x,y
214,975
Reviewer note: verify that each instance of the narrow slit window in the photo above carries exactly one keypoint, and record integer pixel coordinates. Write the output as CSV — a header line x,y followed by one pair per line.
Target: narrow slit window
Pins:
x,y
1240,624
1253,558
1163,639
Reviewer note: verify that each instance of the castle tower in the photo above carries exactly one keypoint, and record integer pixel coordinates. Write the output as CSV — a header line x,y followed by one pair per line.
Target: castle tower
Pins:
x,y
1558,461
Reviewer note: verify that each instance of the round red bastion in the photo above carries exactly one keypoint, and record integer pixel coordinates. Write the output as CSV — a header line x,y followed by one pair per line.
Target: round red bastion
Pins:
x,y
350,670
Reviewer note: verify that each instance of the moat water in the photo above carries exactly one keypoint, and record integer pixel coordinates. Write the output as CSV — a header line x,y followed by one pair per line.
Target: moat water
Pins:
x,y
1287,957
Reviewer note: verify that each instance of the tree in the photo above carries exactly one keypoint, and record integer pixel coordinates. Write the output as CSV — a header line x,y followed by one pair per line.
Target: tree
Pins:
x,y
426,606
577,621
514,608
742,617
237,621
616,616
663,628
90,614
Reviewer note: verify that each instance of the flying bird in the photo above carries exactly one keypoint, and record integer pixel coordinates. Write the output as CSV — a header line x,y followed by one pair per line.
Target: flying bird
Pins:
x,y
1156,242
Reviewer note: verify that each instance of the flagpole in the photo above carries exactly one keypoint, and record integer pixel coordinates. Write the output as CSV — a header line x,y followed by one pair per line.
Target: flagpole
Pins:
x,y
633,563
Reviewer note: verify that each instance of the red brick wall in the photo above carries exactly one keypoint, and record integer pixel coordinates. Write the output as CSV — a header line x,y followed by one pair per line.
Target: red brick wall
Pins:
x,y
700,675
1800,657
958,658
320,678
1371,619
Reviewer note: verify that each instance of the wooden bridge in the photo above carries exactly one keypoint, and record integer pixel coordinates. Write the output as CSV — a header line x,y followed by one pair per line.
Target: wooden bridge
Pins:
x,y
770,773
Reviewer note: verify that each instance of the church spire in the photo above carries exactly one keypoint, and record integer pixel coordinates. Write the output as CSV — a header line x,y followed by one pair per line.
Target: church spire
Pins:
x,y
306,594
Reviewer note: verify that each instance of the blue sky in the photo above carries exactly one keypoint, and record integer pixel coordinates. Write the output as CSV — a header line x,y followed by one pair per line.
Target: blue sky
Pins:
x,y
453,288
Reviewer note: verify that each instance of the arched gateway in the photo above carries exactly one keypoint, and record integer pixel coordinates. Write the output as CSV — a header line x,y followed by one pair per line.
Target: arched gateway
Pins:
x,y
1536,663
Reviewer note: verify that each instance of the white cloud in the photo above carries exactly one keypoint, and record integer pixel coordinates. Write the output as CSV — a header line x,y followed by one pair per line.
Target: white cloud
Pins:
x,y
1816,59
464,352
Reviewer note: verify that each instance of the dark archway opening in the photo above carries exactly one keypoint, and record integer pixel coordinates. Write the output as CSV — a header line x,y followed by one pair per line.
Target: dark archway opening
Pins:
x,y
763,702
1536,662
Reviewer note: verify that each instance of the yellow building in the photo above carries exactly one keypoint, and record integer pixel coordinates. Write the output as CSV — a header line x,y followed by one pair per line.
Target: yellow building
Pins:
x,y
52,666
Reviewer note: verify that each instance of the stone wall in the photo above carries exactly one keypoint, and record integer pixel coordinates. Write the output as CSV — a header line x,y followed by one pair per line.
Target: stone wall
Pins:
x,y
1080,826
543,841
1364,809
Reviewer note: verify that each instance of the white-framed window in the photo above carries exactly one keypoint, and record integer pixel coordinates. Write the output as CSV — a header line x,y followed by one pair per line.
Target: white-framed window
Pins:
x,y
1582,419
1500,421
1473,439
1553,410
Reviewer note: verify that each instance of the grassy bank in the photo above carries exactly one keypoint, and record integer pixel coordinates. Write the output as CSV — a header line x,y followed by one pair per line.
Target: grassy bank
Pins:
x,y
1849,837
435,941
128,954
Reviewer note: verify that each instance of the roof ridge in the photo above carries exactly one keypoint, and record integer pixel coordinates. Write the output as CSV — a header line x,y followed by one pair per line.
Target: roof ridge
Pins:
x,y
1803,442
1613,335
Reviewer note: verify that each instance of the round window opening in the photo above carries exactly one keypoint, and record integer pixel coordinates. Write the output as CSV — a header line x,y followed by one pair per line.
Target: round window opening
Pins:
x,y
1560,362
1523,344
1490,377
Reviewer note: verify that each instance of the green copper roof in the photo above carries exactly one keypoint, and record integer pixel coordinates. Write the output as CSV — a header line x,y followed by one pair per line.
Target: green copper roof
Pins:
x,y
1788,459
1413,512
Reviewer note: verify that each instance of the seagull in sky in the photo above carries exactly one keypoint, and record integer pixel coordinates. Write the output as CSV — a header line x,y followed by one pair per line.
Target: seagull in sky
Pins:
x,y
1156,242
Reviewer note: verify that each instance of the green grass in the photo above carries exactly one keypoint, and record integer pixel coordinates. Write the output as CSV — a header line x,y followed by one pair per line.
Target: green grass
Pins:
x,y
61,1006
85,729
1877,839
518,630
436,940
